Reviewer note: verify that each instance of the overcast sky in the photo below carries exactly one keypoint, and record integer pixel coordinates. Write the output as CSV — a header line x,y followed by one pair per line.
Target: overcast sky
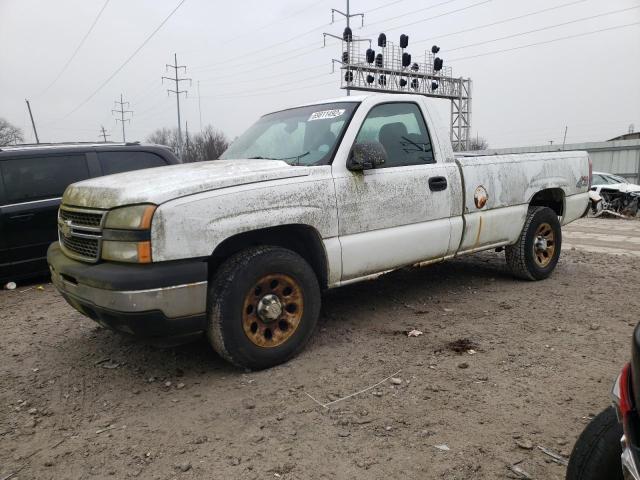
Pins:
x,y
254,56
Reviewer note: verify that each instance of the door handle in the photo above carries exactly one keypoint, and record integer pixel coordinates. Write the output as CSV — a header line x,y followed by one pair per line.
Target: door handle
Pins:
x,y
24,217
437,184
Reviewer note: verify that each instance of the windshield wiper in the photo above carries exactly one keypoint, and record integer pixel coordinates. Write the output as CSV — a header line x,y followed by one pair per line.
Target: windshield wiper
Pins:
x,y
284,159
297,157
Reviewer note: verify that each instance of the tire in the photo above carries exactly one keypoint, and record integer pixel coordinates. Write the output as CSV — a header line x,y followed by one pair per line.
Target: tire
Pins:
x,y
523,259
262,306
596,454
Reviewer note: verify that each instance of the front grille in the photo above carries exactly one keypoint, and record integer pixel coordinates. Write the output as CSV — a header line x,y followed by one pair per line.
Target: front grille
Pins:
x,y
80,232
85,247
88,219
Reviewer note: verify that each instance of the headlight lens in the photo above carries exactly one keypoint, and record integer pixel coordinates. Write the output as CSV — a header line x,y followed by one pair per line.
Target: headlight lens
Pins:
x,y
126,232
135,252
136,217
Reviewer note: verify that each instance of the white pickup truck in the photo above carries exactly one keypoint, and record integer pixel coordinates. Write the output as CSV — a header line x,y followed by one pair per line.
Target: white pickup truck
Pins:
x,y
308,198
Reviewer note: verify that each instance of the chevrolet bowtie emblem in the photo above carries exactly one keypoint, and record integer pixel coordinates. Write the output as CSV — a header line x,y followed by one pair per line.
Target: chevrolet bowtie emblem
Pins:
x,y
65,228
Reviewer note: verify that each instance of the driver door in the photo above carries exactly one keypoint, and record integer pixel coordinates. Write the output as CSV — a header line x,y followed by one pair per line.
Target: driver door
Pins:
x,y
398,213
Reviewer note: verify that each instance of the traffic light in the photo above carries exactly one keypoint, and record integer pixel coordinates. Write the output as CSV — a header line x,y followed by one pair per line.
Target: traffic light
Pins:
x,y
404,41
415,67
370,79
347,35
434,86
435,49
415,84
437,64
403,82
382,80
382,40
348,76
345,57
379,60
406,59
371,55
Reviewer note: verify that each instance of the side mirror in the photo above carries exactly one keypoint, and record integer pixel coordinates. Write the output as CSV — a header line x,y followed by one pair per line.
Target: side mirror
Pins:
x,y
365,156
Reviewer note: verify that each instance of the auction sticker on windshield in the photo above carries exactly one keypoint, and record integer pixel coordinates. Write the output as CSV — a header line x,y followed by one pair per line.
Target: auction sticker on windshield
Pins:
x,y
336,112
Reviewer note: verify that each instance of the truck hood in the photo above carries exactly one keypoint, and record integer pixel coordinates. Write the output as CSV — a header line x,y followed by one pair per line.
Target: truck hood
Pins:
x,y
158,185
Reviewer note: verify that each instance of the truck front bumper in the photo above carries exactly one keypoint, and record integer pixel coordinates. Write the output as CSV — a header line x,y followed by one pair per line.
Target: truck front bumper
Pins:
x,y
165,299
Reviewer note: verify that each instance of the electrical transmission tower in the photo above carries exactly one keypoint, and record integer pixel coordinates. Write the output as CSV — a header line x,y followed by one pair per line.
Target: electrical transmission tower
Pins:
x,y
103,133
177,91
392,70
122,113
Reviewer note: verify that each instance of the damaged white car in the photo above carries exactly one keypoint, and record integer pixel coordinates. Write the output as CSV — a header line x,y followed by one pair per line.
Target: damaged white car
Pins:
x,y
613,195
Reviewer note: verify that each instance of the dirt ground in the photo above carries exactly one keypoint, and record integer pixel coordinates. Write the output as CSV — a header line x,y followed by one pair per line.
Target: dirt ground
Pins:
x,y
78,401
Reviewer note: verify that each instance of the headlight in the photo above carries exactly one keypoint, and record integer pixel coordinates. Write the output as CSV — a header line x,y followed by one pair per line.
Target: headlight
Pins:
x,y
135,252
137,217
126,234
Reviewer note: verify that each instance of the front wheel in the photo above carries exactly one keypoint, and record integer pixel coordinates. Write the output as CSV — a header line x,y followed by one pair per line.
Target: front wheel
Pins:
x,y
535,255
262,306
596,454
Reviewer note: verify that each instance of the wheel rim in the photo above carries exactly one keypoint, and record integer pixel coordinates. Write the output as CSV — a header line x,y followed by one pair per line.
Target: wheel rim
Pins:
x,y
544,245
272,310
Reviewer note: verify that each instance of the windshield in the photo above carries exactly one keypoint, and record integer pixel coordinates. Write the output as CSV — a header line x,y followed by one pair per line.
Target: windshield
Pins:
x,y
299,136
616,179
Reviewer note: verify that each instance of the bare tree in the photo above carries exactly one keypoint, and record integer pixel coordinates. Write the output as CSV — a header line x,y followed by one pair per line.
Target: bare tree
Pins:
x,y
9,134
165,136
208,145
478,143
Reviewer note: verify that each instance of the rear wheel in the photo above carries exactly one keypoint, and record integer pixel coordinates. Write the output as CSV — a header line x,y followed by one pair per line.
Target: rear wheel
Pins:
x,y
263,305
596,454
535,255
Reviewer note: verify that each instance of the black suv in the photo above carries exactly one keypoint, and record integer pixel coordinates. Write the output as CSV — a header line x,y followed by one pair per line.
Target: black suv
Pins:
x,y
32,180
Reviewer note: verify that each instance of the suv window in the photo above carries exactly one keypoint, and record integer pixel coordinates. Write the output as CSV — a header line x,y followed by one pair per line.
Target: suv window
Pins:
x,y
37,178
116,162
401,130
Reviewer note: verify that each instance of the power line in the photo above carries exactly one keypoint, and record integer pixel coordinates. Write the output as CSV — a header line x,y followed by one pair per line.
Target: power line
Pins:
x,y
450,12
543,28
268,77
103,84
279,20
615,27
242,57
271,92
73,55
411,12
518,17
385,5
122,113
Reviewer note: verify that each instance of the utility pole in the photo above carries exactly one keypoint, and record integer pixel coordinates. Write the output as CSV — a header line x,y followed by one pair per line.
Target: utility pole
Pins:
x,y
122,111
199,106
564,140
33,124
177,91
348,16
104,133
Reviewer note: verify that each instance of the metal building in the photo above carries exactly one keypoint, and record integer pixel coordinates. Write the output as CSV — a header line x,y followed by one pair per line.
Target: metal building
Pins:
x,y
621,157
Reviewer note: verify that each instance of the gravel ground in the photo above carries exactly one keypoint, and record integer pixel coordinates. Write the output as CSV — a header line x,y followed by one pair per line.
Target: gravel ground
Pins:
x,y
78,401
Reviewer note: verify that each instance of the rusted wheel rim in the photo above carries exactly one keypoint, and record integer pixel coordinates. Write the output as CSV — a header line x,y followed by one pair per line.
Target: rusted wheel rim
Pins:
x,y
272,310
544,244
